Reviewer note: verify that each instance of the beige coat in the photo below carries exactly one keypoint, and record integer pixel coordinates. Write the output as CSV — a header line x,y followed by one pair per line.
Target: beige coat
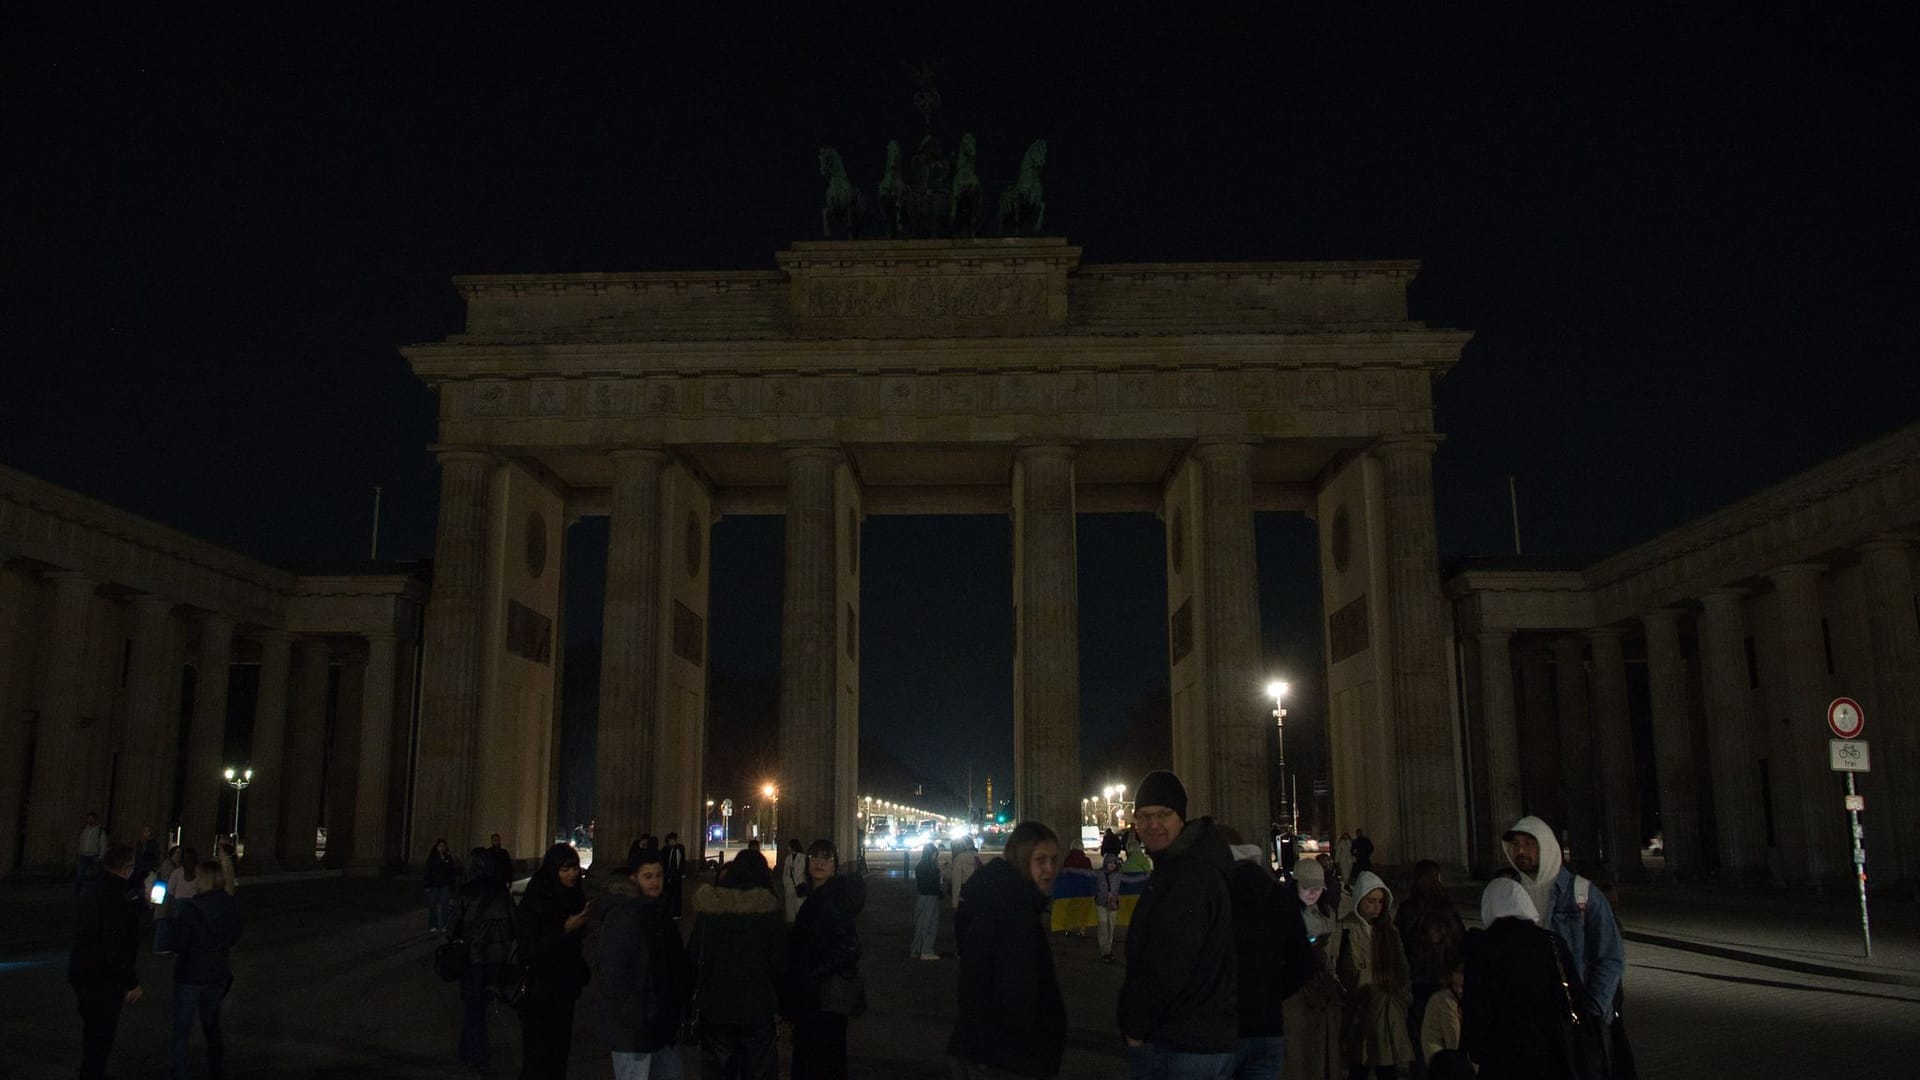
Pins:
x,y
1375,1031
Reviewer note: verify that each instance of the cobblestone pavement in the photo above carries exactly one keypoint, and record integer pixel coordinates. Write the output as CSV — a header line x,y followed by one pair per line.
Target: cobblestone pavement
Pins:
x,y
334,980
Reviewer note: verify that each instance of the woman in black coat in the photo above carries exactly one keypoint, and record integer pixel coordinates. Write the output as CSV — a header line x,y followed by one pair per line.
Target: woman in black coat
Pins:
x,y
1012,1020
441,876
1515,1013
482,917
548,928
823,970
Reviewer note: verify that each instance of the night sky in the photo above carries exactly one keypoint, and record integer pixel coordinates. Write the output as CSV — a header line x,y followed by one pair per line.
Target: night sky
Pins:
x,y
1684,245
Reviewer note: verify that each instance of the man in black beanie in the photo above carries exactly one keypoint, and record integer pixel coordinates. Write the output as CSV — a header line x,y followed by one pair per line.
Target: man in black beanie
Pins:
x,y
1177,1008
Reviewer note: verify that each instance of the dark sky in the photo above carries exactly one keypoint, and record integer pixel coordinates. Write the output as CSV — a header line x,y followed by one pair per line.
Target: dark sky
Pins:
x,y
1684,244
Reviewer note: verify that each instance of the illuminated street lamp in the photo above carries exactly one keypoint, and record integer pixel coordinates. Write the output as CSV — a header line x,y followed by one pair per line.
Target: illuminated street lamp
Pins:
x,y
1277,690
773,796
238,779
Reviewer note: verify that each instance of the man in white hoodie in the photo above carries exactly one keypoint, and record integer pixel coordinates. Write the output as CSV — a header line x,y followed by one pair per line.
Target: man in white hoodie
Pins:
x,y
1569,906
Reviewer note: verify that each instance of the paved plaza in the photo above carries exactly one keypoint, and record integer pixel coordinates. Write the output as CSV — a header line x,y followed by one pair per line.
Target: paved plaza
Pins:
x,y
333,980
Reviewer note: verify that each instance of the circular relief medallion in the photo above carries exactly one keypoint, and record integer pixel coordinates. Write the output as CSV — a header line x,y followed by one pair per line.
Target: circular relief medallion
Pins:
x,y
693,546
853,541
1340,540
1177,541
536,544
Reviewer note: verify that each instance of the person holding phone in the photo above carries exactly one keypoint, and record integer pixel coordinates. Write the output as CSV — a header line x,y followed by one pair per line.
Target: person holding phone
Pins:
x,y
1313,1015
100,968
548,928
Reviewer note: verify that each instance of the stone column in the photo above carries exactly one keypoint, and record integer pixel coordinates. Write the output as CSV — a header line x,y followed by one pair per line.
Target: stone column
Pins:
x,y
809,739
207,734
630,653
306,754
450,705
1540,741
1500,731
143,780
342,792
1429,800
54,809
1805,789
1577,788
376,758
1046,655
1673,743
1736,766
1613,748
1895,639
260,803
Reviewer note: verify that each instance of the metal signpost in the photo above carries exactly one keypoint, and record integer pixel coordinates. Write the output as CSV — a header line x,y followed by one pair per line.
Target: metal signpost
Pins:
x,y
1848,754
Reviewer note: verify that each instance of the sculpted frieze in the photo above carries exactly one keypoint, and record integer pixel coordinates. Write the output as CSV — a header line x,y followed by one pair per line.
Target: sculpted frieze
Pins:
x,y
972,296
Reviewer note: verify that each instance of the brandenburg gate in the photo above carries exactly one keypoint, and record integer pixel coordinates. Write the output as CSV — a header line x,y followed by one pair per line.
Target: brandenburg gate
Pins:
x,y
981,376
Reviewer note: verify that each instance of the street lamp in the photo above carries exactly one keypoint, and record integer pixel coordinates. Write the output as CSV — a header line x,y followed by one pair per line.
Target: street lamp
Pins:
x,y
238,779
773,796
1277,690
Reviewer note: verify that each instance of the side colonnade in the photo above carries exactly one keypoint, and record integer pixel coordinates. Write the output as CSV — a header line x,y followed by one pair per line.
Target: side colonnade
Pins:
x,y
137,663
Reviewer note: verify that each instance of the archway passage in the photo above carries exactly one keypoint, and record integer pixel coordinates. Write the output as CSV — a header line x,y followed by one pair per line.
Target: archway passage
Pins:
x,y
985,376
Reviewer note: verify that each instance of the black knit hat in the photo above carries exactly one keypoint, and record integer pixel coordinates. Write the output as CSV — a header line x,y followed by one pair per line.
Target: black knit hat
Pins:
x,y
1162,788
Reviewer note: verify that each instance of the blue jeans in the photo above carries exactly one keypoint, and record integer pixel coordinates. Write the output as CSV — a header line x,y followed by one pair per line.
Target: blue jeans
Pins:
x,y
191,1001
661,1064
1260,1057
1151,1062
162,935
439,907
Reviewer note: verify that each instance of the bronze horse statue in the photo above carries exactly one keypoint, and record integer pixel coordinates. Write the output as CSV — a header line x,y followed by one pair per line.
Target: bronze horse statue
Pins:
x,y
893,192
1021,207
964,208
844,206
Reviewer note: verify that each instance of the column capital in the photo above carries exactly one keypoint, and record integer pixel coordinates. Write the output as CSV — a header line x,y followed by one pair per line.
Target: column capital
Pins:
x,y
812,452
1424,443
1057,451
381,637
1726,594
210,620
1795,570
450,455
272,633
1663,616
1885,542
1603,633
308,646
640,453
1502,636
1223,447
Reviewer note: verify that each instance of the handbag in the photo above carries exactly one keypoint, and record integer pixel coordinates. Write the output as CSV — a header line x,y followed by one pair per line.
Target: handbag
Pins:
x,y
844,994
1579,1037
451,960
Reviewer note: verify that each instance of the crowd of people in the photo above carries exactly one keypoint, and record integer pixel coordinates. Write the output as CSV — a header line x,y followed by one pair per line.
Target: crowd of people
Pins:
x,y
196,921
1231,969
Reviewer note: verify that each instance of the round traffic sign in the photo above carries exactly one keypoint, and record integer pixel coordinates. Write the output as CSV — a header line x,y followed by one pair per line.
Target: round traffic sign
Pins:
x,y
1846,718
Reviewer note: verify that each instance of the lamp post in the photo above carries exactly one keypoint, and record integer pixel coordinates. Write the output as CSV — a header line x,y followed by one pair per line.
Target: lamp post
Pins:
x,y
1277,690
773,796
238,779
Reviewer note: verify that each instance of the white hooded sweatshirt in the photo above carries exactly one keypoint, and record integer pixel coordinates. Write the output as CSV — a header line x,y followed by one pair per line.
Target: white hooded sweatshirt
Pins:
x,y
1539,884
1506,898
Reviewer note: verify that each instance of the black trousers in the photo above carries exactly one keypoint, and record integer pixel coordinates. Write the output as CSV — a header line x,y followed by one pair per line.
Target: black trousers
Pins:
x,y
738,1051
546,1033
100,1006
820,1047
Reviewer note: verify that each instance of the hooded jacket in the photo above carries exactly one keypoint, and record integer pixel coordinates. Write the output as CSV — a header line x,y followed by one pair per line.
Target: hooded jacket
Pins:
x,y
483,918
555,968
739,949
1012,1015
644,981
1591,934
1180,989
1514,1008
825,941
203,930
1272,959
